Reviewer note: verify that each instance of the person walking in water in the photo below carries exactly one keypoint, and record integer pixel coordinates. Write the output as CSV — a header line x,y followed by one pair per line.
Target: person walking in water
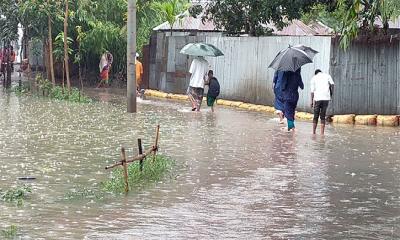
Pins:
x,y
198,70
322,87
104,67
139,73
290,90
278,103
213,89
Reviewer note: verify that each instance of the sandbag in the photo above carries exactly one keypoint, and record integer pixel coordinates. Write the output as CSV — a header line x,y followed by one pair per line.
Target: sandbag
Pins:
x,y
245,106
254,107
365,120
222,102
304,116
267,109
388,120
236,104
344,119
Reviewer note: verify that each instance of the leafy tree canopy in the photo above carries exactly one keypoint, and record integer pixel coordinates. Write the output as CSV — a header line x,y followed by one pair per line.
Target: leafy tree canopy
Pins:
x,y
8,21
252,16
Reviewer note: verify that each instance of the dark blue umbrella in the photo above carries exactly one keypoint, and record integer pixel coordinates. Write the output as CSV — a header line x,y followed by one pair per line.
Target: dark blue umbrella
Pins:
x,y
293,58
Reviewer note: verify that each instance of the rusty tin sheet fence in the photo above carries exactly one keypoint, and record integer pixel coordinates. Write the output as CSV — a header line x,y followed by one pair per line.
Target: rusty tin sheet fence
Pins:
x,y
141,157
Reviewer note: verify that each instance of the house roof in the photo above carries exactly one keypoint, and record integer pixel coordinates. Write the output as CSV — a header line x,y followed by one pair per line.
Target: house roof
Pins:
x,y
188,23
295,28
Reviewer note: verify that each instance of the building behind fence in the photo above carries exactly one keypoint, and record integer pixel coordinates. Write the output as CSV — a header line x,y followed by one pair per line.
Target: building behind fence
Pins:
x,y
366,75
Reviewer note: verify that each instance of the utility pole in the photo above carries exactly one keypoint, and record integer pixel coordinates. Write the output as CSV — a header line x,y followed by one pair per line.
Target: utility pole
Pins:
x,y
131,56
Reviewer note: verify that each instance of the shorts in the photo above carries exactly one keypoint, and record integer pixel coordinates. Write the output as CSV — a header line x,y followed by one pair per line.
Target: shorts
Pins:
x,y
210,101
320,111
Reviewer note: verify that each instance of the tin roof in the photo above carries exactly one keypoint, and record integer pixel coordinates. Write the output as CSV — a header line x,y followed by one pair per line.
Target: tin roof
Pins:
x,y
295,28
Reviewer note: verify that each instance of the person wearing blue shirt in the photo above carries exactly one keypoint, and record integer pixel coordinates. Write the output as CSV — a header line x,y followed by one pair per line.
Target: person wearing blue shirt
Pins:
x,y
291,83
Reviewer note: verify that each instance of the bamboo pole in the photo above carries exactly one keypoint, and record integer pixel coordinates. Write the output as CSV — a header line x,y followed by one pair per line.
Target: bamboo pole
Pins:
x,y
156,142
140,153
125,166
137,158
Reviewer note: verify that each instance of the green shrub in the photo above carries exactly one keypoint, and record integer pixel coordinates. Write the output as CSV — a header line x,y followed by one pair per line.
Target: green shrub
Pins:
x,y
10,232
20,90
17,194
152,172
45,88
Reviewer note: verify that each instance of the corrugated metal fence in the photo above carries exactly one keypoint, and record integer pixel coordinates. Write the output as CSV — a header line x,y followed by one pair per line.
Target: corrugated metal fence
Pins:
x,y
365,76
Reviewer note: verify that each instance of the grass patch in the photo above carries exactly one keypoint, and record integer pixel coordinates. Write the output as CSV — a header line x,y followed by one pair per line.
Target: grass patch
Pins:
x,y
16,195
20,90
152,172
45,88
10,232
84,193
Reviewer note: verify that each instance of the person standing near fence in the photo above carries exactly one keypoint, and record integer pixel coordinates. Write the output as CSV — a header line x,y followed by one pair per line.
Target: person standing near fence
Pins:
x,y
139,72
291,83
278,102
322,87
198,70
213,89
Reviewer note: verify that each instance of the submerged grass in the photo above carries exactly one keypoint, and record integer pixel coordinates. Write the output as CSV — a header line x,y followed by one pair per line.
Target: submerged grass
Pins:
x,y
10,232
46,88
16,195
84,193
153,172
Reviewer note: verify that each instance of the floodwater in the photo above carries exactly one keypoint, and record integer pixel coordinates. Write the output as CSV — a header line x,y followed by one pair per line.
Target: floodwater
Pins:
x,y
238,176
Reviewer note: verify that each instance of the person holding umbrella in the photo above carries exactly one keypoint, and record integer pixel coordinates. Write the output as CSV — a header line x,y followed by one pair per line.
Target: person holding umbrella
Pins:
x,y
198,75
199,70
292,81
290,61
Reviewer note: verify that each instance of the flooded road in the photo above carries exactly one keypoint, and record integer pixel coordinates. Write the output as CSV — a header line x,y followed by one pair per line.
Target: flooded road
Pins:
x,y
238,175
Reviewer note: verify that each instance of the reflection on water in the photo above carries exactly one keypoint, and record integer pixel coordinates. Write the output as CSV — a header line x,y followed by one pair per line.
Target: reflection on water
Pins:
x,y
239,177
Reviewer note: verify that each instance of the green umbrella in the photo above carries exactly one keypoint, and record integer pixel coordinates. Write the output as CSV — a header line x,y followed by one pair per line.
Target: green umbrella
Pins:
x,y
201,49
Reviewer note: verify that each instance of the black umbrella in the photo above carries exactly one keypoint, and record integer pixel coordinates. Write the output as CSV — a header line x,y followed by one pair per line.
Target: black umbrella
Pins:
x,y
292,58
310,52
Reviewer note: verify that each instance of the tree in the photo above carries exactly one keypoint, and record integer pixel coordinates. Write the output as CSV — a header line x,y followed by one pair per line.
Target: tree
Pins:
x,y
365,12
8,21
8,32
66,61
35,15
50,44
172,10
253,16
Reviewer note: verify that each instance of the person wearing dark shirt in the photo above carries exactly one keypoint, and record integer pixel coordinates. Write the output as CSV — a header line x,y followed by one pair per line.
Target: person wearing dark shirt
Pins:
x,y
213,90
291,83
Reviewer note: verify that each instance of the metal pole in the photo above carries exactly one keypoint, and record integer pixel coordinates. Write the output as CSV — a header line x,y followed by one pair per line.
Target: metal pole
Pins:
x,y
131,55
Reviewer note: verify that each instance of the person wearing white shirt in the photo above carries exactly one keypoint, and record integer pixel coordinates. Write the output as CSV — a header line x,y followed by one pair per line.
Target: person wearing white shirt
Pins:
x,y
198,70
322,87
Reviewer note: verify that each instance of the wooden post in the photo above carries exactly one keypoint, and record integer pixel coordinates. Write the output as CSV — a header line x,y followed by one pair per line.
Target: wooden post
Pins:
x,y
125,166
156,142
140,153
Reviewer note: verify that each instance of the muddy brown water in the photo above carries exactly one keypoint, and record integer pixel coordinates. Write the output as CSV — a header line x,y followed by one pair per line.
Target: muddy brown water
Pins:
x,y
238,175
